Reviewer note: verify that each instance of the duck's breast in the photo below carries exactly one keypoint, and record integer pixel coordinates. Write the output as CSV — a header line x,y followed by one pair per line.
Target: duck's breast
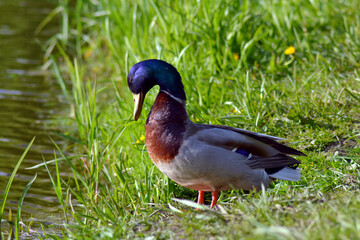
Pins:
x,y
165,128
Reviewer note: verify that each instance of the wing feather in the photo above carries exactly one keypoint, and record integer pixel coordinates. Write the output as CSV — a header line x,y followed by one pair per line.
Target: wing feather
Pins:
x,y
267,139
264,150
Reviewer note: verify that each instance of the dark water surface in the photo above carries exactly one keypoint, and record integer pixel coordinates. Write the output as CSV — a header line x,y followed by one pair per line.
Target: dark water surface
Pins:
x,y
30,100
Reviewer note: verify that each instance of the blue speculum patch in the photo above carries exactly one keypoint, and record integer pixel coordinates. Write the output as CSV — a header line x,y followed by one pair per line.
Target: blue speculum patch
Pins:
x,y
243,152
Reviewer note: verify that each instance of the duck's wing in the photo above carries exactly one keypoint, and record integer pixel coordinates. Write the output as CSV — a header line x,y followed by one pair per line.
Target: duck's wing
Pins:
x,y
267,139
263,151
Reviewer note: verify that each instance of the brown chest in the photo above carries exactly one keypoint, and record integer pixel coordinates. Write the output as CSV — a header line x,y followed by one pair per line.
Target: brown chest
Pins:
x,y
165,128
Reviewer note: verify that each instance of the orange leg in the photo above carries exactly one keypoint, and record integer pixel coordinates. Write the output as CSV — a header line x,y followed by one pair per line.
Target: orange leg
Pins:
x,y
201,197
214,198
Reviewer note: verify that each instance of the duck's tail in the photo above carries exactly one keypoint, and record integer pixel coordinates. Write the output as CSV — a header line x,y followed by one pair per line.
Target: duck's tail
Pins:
x,y
288,174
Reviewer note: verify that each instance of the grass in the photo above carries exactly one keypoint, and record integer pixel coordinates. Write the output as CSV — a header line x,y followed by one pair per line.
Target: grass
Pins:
x,y
14,233
231,55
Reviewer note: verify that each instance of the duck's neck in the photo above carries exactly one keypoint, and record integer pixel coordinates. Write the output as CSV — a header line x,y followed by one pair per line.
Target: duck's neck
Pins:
x,y
165,127
168,108
180,100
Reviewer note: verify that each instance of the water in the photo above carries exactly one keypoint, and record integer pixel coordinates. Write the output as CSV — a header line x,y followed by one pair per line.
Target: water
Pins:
x,y
30,99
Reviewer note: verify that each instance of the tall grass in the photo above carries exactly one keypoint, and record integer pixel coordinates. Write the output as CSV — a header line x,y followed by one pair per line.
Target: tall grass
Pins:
x,y
231,55
21,200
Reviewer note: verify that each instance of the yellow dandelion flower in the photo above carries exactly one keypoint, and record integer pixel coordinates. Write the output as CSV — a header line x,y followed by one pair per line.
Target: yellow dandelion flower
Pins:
x,y
137,141
290,50
236,56
142,138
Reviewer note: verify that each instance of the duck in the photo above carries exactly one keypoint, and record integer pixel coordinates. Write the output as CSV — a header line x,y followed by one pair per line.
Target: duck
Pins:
x,y
203,157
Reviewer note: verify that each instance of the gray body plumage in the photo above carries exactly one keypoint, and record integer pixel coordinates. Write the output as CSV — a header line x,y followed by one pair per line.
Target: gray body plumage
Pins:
x,y
206,161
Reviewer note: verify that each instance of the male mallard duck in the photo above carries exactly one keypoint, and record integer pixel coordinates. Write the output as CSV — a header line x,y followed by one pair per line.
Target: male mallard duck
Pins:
x,y
199,156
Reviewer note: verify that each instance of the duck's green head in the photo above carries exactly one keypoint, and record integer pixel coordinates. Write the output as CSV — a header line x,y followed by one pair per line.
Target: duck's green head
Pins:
x,y
146,74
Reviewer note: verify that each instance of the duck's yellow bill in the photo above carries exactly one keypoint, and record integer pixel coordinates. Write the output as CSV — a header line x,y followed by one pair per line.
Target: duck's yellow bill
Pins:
x,y
138,103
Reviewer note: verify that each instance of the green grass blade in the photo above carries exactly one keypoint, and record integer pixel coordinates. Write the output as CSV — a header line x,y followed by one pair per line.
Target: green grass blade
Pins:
x,y
12,176
48,19
20,206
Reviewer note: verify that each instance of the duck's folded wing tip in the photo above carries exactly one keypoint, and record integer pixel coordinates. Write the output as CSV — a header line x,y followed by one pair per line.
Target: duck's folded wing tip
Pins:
x,y
276,161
